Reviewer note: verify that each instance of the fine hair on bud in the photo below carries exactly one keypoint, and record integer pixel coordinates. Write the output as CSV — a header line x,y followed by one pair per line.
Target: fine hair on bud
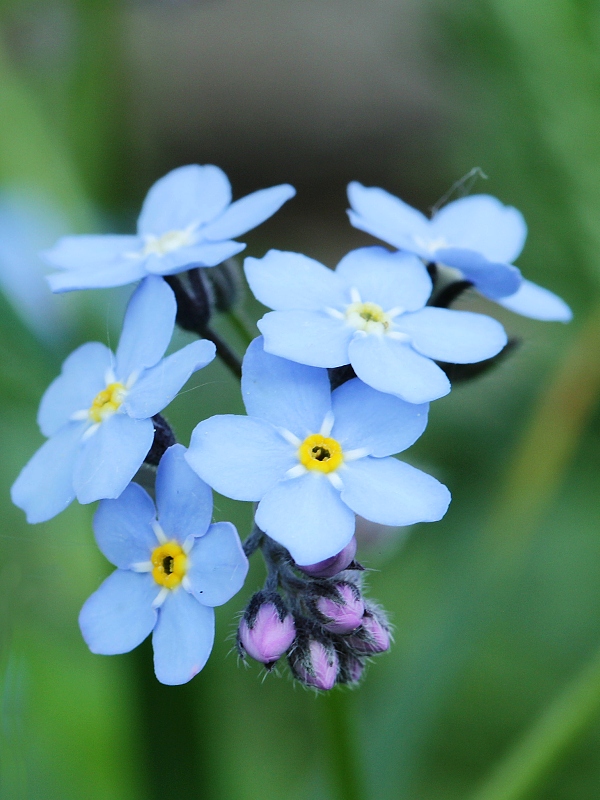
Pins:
x,y
266,630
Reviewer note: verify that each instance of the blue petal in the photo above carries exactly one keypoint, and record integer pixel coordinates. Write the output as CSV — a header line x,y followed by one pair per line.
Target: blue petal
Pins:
x,y
380,422
110,457
157,386
391,492
182,639
493,280
286,281
147,328
240,457
98,277
199,255
394,367
381,214
90,252
81,378
190,195
389,279
184,502
534,301
460,337
307,516
123,527
287,395
218,566
483,224
247,213
45,486
308,337
119,615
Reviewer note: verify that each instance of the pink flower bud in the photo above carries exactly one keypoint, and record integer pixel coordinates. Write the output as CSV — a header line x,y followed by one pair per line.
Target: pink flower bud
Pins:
x,y
269,636
373,637
354,670
318,667
345,614
331,566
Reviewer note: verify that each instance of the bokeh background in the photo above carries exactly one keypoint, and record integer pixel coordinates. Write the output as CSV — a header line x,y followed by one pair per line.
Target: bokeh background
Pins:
x,y
492,690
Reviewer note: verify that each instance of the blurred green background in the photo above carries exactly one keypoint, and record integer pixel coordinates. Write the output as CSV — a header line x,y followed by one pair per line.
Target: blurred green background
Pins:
x,y
492,690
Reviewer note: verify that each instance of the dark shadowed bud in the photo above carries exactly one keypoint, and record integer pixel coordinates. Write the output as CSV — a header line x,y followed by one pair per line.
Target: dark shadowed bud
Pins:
x,y
351,669
374,635
266,633
331,566
225,281
316,665
345,612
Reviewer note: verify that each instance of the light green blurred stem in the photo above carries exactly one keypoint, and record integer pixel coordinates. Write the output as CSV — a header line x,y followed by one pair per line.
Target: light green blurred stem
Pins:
x,y
342,753
548,446
32,153
549,739
544,455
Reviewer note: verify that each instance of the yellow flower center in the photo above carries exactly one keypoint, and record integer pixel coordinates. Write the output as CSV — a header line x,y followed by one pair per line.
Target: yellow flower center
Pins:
x,y
321,453
172,240
169,564
107,402
368,317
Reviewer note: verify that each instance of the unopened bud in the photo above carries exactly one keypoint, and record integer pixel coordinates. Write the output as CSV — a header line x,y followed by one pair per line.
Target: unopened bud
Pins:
x,y
373,636
346,613
268,635
331,566
351,670
317,666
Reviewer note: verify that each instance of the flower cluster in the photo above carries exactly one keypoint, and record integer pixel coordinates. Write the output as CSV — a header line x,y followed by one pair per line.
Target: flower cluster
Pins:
x,y
336,387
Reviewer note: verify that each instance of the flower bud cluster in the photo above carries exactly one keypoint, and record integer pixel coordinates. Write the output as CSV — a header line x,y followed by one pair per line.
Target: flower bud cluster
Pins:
x,y
316,616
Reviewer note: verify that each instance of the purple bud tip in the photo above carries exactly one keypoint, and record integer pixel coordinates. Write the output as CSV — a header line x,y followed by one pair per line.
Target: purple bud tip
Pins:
x,y
347,613
375,638
269,637
322,668
331,566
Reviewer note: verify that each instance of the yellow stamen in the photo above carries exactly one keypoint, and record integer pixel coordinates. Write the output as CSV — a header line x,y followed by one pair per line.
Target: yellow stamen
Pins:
x,y
320,453
107,402
368,317
170,564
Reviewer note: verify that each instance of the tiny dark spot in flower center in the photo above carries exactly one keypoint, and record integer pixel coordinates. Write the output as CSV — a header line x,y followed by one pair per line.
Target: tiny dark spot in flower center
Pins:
x,y
368,316
320,453
167,564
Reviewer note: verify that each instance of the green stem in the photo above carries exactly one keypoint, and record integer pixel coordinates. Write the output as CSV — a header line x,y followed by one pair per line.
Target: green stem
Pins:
x,y
343,755
542,746
240,325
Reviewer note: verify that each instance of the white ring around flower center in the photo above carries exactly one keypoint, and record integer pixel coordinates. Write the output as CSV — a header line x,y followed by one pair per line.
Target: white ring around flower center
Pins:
x,y
168,242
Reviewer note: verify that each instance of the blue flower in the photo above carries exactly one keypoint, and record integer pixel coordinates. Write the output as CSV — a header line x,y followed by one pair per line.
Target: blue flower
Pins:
x,y
313,459
97,413
187,220
171,572
476,235
369,313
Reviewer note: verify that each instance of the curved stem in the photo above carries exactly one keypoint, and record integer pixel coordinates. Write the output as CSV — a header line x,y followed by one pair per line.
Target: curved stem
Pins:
x,y
541,747
240,326
224,351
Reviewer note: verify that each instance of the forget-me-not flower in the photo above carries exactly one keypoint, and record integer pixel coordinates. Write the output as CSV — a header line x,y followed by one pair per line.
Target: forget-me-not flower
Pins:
x,y
370,313
187,219
98,412
173,567
313,459
477,235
